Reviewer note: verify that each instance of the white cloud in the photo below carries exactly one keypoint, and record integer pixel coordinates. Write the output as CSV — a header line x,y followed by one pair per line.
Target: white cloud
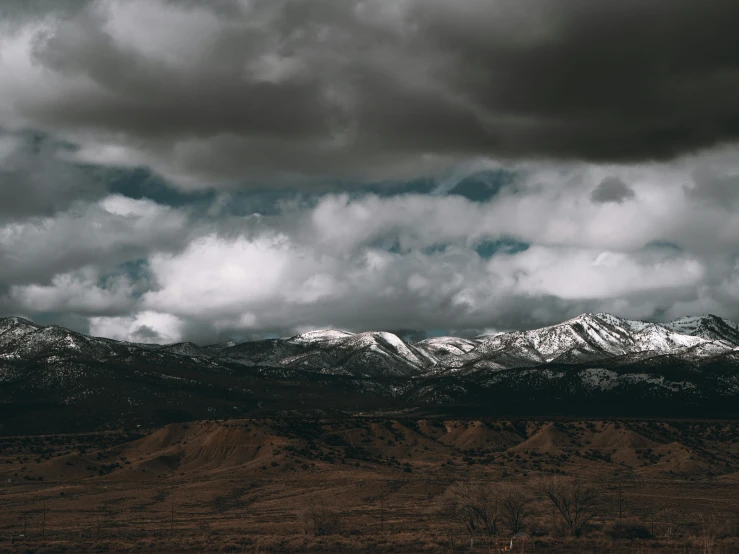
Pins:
x,y
105,234
329,262
217,93
219,276
169,33
130,208
81,292
549,205
146,326
591,275
274,282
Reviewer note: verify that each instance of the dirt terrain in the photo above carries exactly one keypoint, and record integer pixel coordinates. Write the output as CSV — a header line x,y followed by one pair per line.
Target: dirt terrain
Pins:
x,y
244,484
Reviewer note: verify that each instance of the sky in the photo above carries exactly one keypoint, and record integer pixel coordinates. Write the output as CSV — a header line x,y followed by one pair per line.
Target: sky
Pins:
x,y
237,169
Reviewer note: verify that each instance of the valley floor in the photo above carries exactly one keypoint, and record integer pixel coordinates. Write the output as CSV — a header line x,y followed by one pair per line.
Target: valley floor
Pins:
x,y
250,485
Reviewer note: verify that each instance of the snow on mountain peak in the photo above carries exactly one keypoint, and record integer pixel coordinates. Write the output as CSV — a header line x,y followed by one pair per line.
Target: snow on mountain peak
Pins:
x,y
708,327
321,335
14,321
587,338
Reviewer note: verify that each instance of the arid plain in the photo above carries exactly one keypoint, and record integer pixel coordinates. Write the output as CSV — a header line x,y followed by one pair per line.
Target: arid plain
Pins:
x,y
381,485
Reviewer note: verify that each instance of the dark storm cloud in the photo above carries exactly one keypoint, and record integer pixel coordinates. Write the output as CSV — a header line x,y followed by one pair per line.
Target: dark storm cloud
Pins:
x,y
20,11
410,335
321,88
600,80
483,186
146,333
34,181
611,189
715,187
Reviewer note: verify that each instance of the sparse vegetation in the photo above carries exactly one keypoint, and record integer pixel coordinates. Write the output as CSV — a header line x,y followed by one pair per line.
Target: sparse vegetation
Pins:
x,y
319,519
515,507
629,529
575,501
335,484
475,506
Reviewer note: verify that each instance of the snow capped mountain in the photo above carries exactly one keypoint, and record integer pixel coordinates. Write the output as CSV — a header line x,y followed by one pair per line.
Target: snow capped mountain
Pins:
x,y
588,338
362,354
594,337
584,337
594,360
709,327
187,349
321,336
58,351
447,349
26,340
13,328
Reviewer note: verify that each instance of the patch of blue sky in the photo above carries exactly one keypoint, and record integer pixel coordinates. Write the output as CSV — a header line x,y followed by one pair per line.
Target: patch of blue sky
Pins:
x,y
505,245
484,185
663,245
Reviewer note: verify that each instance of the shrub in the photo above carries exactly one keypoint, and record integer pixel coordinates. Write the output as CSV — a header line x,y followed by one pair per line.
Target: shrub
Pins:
x,y
318,519
630,528
475,506
576,502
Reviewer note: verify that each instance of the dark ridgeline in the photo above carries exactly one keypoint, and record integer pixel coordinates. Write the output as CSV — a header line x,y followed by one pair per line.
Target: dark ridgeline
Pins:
x,y
56,380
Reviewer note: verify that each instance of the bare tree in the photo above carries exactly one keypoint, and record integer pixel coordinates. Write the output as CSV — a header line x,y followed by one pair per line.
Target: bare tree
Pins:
x,y
515,508
709,530
673,520
319,519
576,502
476,506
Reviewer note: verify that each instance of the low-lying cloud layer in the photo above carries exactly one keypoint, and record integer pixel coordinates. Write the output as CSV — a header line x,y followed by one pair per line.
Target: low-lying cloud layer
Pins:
x,y
144,271
427,165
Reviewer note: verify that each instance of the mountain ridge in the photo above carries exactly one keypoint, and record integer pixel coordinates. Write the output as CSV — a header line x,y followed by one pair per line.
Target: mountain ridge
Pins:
x,y
590,363
586,338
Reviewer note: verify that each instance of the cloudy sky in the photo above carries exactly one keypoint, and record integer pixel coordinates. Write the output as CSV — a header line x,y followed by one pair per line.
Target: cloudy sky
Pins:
x,y
244,168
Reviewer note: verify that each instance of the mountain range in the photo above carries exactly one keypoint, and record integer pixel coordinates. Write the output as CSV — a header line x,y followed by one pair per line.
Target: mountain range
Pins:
x,y
52,378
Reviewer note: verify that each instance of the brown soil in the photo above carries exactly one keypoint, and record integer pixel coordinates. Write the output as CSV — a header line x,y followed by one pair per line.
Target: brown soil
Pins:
x,y
240,485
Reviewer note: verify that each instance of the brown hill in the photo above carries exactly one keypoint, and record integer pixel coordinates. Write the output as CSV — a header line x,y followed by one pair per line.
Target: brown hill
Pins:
x,y
548,439
477,434
609,436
